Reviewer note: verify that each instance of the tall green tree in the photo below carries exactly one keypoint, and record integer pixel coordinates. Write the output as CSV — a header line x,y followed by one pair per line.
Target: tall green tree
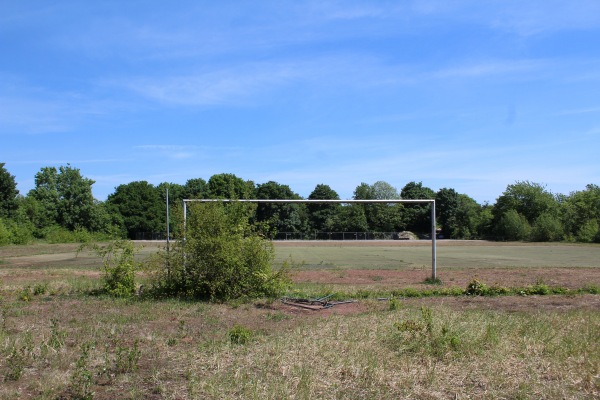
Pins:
x,y
77,207
580,214
468,218
529,199
176,193
418,217
195,188
457,214
229,186
44,206
352,218
64,197
323,216
447,210
8,193
139,206
380,217
280,217
485,222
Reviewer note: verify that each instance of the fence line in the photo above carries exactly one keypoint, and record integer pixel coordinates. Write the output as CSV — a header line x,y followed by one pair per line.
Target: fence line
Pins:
x,y
315,235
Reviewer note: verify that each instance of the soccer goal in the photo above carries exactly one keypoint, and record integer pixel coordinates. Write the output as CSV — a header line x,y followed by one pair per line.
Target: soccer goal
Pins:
x,y
426,201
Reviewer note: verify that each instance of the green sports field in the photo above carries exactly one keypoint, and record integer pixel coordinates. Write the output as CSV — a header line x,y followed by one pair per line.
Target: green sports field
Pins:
x,y
450,254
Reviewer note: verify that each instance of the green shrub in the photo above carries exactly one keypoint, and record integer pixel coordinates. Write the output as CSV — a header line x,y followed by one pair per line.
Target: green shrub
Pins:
x,y
592,289
224,257
119,267
476,288
410,292
239,335
539,288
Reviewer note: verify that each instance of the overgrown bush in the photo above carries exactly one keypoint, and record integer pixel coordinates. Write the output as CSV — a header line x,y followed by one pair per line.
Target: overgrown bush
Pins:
x,y
119,267
224,257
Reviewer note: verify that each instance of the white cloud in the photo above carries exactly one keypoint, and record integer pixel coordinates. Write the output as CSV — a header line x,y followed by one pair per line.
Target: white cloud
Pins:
x,y
220,86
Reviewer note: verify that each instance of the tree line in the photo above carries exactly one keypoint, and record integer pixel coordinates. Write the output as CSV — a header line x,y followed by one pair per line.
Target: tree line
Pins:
x,y
61,208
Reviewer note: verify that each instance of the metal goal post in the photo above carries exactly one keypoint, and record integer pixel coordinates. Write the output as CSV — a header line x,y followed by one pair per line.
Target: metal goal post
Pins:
x,y
430,201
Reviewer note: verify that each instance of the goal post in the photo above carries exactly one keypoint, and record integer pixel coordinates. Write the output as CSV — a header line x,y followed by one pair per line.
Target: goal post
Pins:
x,y
413,201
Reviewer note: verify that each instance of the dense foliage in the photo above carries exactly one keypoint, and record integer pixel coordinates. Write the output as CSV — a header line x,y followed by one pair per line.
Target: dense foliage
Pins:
x,y
224,257
61,208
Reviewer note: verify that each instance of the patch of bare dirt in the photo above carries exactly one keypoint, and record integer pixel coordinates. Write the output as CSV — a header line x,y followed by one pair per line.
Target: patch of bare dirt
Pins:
x,y
571,278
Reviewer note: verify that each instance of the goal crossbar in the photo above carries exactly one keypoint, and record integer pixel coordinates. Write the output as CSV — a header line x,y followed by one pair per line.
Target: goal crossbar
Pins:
x,y
331,201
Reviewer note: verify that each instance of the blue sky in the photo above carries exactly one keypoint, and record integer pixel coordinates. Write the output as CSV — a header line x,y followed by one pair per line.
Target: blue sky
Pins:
x,y
470,95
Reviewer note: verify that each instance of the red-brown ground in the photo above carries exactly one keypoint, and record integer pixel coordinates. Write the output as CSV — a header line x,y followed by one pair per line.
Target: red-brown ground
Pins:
x,y
571,278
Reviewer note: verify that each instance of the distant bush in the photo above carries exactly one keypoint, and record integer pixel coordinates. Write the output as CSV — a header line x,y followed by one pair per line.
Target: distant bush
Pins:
x,y
476,288
5,236
546,228
513,226
588,232
57,234
12,232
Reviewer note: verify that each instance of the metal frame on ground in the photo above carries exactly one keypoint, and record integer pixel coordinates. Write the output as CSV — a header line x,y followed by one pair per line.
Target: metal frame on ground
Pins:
x,y
431,201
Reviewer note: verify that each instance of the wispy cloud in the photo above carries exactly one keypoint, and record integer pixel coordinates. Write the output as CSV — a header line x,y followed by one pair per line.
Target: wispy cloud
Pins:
x,y
220,86
247,83
183,152
585,110
503,68
547,16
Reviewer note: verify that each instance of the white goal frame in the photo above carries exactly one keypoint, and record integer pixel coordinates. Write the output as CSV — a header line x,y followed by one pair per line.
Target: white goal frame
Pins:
x,y
429,201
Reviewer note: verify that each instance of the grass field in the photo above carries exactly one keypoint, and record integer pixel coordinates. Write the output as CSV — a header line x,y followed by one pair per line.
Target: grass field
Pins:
x,y
58,341
450,254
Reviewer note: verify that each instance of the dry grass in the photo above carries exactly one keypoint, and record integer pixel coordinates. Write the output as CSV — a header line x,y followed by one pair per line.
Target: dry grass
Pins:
x,y
180,350
58,341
